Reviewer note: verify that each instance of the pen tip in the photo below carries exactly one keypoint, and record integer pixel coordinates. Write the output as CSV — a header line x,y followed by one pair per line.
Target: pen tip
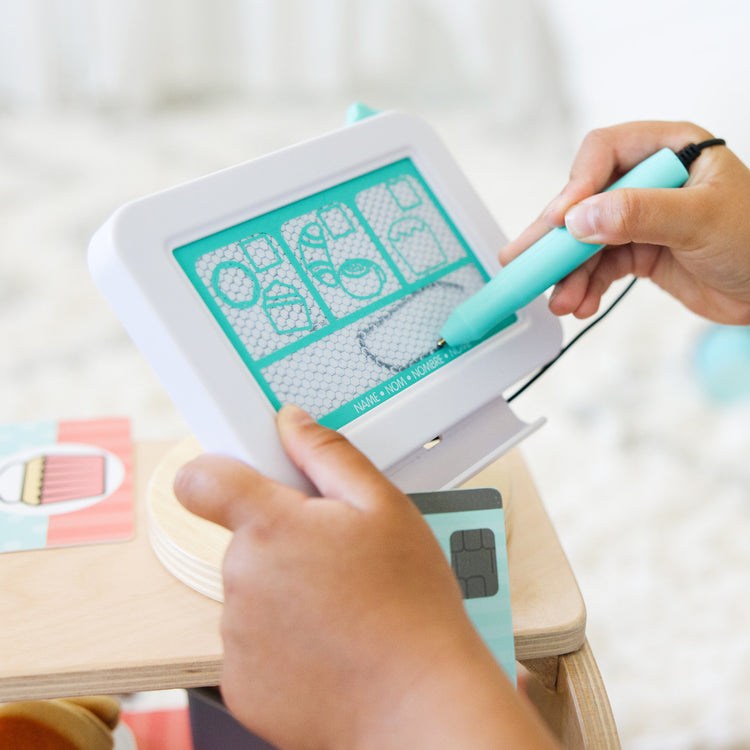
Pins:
x,y
441,344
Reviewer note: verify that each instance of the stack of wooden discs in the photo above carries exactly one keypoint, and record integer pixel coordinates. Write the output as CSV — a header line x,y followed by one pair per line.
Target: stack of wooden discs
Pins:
x,y
193,549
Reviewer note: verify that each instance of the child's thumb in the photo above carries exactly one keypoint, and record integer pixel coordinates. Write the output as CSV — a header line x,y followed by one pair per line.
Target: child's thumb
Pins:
x,y
659,216
331,462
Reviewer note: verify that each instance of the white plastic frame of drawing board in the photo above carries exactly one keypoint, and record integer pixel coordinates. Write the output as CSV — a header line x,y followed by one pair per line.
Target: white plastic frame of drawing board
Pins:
x,y
131,260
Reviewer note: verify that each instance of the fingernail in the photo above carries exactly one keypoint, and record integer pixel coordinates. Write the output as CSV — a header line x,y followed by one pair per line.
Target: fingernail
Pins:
x,y
294,414
581,219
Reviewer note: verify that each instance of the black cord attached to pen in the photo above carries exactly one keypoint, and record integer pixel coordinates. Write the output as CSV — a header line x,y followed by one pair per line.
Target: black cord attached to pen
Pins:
x,y
567,346
692,151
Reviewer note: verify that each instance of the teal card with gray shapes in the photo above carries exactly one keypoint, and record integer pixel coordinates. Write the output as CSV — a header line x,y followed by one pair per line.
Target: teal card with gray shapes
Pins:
x,y
470,526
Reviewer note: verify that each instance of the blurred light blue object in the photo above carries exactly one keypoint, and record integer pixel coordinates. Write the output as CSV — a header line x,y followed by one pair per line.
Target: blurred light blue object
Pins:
x,y
722,362
359,111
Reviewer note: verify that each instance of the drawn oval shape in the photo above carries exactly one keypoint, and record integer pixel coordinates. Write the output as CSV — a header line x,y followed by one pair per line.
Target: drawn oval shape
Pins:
x,y
408,330
235,284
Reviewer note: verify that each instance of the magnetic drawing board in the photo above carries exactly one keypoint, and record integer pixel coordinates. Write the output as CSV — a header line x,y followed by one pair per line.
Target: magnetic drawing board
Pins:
x,y
322,274
332,301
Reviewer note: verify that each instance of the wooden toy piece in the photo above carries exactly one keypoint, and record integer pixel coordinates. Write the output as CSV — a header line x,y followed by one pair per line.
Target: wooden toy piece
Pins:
x,y
62,724
192,549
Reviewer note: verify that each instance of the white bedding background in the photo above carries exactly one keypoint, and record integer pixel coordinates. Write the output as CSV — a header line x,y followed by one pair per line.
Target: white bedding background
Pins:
x,y
646,477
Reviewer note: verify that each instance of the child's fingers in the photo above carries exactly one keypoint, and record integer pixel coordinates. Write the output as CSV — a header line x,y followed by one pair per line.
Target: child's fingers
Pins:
x,y
581,291
604,155
568,294
230,493
659,216
333,464
528,237
607,153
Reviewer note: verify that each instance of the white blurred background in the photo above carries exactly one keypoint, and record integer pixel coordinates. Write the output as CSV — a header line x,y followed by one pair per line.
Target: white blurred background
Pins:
x,y
644,472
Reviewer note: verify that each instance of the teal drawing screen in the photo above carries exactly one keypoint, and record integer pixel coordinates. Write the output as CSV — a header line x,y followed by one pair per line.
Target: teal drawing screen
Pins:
x,y
335,302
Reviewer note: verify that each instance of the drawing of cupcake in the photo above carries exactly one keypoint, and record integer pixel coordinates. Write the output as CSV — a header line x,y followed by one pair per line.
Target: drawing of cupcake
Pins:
x,y
412,238
58,479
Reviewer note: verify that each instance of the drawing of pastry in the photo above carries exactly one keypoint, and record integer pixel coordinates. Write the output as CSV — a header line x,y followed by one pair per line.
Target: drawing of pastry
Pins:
x,y
361,278
286,308
58,479
412,238
313,248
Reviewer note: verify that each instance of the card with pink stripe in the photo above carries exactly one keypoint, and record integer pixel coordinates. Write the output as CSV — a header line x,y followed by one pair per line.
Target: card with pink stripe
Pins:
x,y
64,483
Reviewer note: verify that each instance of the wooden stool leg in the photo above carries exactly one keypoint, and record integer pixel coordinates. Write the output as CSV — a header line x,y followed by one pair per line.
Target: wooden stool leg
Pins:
x,y
569,693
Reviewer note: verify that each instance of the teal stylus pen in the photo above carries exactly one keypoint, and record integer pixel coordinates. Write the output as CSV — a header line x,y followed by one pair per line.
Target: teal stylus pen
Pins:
x,y
555,255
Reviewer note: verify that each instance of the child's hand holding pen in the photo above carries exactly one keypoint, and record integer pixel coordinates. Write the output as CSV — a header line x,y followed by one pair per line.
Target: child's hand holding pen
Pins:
x,y
693,242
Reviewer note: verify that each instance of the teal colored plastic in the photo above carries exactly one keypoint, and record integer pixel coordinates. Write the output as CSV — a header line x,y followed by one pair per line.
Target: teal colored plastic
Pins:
x,y
722,362
469,525
358,111
547,261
